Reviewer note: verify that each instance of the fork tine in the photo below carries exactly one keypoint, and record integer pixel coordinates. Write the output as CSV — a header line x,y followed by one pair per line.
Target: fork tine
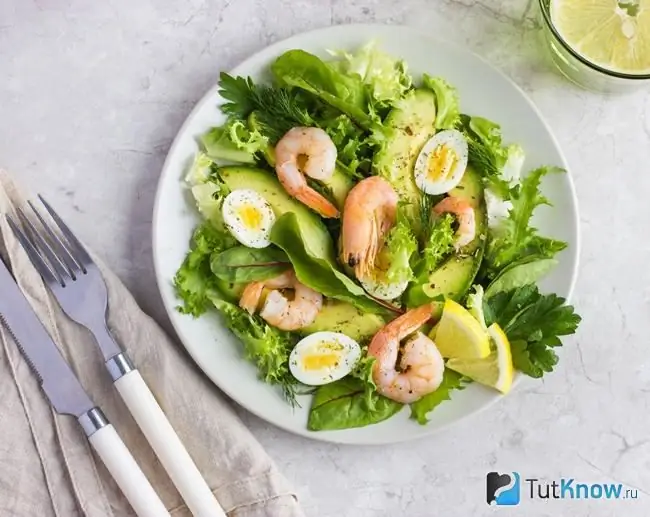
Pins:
x,y
40,244
34,255
74,242
69,259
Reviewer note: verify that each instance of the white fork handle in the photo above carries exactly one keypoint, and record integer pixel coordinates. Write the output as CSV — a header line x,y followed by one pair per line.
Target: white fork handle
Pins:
x,y
168,447
127,473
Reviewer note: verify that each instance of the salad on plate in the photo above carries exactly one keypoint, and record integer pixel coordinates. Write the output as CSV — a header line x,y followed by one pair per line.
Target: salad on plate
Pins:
x,y
368,242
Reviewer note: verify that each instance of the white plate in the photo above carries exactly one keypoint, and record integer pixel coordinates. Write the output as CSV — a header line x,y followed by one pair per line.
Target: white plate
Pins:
x,y
483,91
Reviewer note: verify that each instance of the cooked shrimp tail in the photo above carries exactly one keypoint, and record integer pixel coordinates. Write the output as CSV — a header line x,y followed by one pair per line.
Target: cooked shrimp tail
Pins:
x,y
306,151
464,214
421,366
278,310
369,213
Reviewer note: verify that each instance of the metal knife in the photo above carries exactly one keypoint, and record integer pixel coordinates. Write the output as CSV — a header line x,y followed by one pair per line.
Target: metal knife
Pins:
x,y
68,397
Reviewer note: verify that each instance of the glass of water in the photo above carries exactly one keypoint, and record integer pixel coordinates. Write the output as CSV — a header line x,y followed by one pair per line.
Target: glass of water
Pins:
x,y
597,70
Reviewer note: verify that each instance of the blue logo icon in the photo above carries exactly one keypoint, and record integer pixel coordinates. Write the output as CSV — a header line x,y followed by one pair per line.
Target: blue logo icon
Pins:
x,y
503,489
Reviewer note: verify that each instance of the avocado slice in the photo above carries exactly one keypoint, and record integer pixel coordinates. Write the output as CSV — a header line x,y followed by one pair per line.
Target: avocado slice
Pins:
x,y
412,124
339,184
316,237
455,276
337,316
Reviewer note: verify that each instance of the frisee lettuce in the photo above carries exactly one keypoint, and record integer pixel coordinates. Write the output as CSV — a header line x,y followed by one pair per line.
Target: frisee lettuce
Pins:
x,y
450,381
386,76
267,347
515,239
398,248
195,284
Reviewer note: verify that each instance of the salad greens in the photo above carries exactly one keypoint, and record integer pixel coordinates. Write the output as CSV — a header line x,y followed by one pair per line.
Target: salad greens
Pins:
x,y
378,117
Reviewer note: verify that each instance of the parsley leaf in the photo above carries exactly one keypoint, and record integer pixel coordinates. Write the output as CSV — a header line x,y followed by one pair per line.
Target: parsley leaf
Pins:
x,y
533,324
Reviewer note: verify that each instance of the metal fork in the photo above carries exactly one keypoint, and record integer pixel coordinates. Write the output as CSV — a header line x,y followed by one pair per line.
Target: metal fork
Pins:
x,y
79,287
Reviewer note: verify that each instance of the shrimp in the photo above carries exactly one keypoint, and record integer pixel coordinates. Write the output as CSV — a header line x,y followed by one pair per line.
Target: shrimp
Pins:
x,y
369,213
421,366
306,151
278,310
465,215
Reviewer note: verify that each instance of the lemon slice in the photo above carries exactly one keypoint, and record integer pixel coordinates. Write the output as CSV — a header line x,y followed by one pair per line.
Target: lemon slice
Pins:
x,y
460,335
609,33
495,370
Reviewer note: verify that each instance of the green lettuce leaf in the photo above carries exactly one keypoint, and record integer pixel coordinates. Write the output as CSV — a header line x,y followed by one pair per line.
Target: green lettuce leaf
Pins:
x,y
347,93
342,405
207,188
515,239
319,272
243,265
439,243
194,282
387,77
219,145
475,304
447,102
265,346
398,248
363,372
355,148
533,323
528,270
421,408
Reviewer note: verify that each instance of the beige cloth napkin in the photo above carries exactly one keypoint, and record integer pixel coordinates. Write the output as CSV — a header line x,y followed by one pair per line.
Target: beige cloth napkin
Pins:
x,y
47,467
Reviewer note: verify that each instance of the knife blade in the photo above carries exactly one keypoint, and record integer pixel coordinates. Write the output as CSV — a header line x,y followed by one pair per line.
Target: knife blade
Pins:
x,y
59,383
68,397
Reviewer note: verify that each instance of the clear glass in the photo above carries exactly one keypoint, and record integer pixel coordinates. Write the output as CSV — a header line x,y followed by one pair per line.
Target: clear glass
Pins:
x,y
580,70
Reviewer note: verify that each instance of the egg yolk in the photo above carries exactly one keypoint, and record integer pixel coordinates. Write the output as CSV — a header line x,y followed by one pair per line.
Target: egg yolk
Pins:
x,y
250,216
327,356
442,161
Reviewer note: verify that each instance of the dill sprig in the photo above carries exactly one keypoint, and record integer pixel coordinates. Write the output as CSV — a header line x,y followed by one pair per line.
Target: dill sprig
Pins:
x,y
277,109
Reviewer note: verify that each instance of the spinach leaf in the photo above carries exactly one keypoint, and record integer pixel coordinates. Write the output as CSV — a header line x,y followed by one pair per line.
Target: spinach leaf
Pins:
x,y
342,405
316,271
421,408
347,93
241,264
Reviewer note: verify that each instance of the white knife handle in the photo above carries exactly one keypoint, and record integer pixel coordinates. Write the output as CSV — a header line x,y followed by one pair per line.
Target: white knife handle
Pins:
x,y
127,473
168,447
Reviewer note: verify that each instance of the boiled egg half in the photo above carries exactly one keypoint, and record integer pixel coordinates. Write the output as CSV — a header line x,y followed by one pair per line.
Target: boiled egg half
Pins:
x,y
442,162
323,357
249,217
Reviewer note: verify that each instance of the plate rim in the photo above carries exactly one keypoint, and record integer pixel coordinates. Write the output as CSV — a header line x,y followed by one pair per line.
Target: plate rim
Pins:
x,y
205,98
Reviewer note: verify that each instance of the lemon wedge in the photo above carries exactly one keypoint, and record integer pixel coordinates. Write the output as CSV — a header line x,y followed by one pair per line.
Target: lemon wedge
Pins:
x,y
496,370
460,335
612,34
